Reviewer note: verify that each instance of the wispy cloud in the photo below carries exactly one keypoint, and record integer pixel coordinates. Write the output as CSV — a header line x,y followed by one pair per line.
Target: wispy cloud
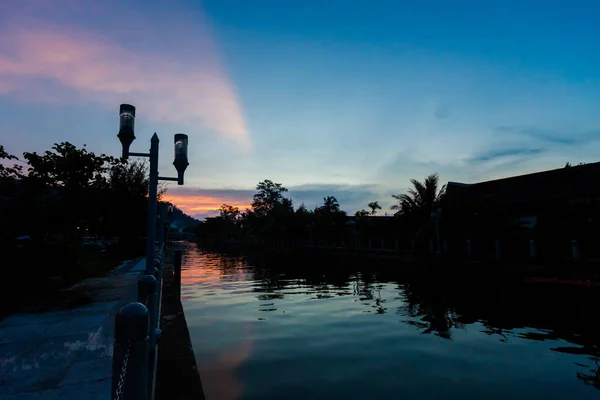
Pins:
x,y
572,137
495,154
45,61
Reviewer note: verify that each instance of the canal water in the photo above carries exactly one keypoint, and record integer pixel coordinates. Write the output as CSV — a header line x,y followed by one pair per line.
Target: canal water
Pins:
x,y
291,329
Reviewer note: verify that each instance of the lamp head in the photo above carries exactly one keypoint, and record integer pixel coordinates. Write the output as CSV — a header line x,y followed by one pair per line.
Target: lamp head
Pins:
x,y
126,127
181,156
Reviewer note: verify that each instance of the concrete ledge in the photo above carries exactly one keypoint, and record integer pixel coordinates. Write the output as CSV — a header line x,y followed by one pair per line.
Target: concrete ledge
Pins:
x,y
177,374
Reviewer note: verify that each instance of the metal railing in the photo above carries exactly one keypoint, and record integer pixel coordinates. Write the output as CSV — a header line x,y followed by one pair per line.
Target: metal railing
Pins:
x,y
137,335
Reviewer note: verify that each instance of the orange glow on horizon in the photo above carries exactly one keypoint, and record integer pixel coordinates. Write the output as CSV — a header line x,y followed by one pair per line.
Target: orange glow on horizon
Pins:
x,y
203,204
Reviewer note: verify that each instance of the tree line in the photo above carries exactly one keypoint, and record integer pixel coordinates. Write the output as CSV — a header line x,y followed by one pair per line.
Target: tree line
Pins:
x,y
53,204
272,216
67,193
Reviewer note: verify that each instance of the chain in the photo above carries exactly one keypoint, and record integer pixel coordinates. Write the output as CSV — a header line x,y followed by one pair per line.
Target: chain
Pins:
x,y
122,376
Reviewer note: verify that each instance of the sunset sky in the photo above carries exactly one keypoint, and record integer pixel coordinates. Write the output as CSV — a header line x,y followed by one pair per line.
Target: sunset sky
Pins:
x,y
343,98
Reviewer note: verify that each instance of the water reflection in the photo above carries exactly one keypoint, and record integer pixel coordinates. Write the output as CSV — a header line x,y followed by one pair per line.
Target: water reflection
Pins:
x,y
300,303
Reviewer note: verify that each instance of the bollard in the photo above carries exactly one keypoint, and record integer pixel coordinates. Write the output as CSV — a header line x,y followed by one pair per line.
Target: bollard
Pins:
x,y
382,244
413,245
177,273
469,248
430,246
358,243
497,248
146,287
370,244
130,382
396,245
158,270
445,246
575,247
532,249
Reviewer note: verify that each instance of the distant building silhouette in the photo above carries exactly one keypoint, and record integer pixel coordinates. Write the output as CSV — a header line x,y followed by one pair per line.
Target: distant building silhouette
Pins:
x,y
554,206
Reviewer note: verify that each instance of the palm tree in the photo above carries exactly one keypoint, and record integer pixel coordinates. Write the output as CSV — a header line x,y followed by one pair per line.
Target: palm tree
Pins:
x,y
421,199
374,206
330,204
362,214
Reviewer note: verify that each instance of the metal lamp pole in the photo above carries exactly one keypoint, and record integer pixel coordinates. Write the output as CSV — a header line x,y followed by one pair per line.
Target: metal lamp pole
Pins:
x,y
127,136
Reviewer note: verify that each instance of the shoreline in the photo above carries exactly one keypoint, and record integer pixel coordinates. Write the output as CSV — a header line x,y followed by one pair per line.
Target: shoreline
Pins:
x,y
177,375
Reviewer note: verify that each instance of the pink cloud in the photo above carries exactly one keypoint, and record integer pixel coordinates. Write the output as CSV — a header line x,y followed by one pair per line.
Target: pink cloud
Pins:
x,y
180,80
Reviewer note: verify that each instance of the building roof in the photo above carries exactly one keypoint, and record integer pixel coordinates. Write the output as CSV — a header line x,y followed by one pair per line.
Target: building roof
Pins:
x,y
580,181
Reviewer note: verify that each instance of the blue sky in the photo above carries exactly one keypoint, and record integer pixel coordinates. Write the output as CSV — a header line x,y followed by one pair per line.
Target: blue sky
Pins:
x,y
343,98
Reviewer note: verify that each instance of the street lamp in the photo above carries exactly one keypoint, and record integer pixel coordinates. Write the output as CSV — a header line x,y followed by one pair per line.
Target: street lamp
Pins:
x,y
126,127
181,158
127,136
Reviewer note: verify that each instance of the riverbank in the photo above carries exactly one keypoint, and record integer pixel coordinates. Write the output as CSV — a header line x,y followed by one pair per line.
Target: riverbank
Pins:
x,y
177,374
64,350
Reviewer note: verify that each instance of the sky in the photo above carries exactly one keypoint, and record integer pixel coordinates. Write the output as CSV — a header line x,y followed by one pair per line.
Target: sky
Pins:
x,y
344,98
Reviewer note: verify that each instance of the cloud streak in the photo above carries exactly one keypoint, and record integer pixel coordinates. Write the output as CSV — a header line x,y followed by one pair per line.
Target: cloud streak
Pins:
x,y
188,85
496,154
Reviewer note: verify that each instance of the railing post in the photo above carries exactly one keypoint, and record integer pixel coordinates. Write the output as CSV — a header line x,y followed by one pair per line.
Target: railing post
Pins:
x,y
430,246
396,245
382,244
177,273
497,248
130,381
146,287
370,244
445,246
469,248
413,245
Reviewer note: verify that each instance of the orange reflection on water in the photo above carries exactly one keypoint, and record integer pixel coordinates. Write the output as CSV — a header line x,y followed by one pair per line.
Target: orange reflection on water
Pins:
x,y
219,375
212,273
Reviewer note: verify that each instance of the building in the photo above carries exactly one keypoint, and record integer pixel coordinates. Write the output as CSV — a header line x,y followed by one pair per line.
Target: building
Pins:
x,y
552,207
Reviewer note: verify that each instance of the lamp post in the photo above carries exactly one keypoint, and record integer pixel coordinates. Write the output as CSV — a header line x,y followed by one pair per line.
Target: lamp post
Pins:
x,y
127,136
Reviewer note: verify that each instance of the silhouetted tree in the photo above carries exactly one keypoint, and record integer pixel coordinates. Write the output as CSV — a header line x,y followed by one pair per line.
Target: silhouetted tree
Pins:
x,y
230,214
374,206
9,171
420,200
271,212
269,195
330,205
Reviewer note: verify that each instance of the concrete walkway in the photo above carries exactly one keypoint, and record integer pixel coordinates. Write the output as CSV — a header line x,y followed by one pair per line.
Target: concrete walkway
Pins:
x,y
66,354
